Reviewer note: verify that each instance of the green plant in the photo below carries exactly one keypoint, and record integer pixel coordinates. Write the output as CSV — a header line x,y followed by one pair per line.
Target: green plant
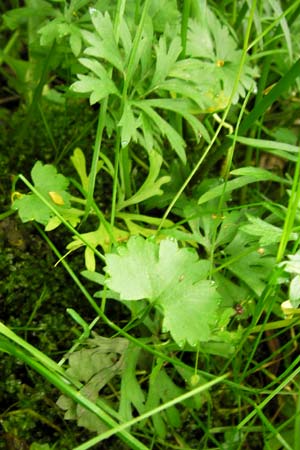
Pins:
x,y
189,270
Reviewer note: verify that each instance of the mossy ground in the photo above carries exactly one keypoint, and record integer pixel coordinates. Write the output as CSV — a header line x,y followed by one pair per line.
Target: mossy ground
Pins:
x,y
34,293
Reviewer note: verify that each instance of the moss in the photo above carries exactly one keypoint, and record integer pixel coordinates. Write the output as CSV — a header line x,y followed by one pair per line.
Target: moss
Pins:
x,y
34,294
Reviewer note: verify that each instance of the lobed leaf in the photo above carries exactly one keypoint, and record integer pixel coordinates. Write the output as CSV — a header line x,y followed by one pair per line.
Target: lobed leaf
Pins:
x,y
171,278
151,186
165,129
52,186
98,88
103,44
165,59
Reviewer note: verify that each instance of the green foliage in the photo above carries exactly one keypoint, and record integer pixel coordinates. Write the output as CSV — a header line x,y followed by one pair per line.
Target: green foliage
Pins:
x,y
169,83
51,186
292,266
194,213
95,367
173,280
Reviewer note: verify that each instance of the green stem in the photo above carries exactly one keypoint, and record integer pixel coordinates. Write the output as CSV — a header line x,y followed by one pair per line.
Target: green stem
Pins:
x,y
223,120
115,181
291,212
61,218
102,119
276,391
124,158
184,26
152,412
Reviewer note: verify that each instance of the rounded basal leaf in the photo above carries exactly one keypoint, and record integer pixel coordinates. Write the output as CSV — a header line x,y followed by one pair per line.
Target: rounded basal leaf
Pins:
x,y
190,312
52,187
30,208
46,178
171,278
130,269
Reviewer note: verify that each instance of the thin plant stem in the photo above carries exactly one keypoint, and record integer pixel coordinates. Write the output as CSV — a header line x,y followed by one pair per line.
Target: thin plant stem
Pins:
x,y
291,212
65,388
223,121
152,412
270,397
184,25
60,217
124,158
102,119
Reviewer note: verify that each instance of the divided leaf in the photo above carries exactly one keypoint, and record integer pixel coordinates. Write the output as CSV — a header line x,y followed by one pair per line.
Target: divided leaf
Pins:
x,y
165,59
267,233
95,367
173,280
252,267
132,394
152,185
103,43
215,47
175,139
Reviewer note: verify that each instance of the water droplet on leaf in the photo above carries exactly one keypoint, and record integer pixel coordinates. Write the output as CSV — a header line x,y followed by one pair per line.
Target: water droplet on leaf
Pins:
x,y
92,11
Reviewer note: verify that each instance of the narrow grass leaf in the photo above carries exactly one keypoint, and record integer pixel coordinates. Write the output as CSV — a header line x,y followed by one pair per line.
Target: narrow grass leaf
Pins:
x,y
285,83
247,176
266,144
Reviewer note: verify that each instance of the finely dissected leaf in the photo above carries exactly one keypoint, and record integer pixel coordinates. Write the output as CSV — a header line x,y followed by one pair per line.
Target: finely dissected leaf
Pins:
x,y
248,264
131,391
184,89
52,186
204,223
95,367
99,88
151,186
267,233
165,129
186,109
165,58
103,44
171,278
128,125
163,389
211,43
125,37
